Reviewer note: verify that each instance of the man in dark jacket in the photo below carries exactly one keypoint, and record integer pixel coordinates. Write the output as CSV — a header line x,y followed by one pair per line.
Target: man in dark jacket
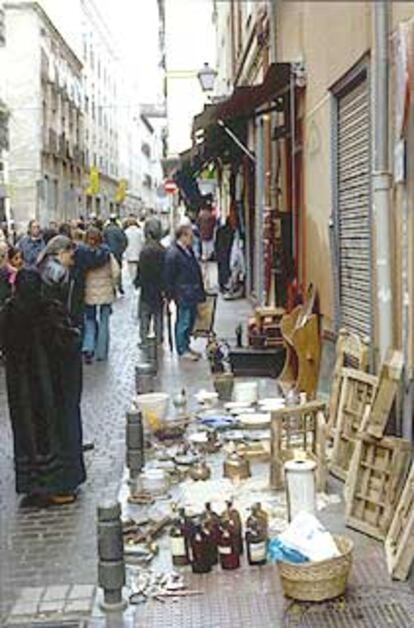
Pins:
x,y
31,244
117,241
150,278
184,284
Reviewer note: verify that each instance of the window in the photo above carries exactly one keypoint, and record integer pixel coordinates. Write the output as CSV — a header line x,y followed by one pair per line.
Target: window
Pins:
x,y
2,29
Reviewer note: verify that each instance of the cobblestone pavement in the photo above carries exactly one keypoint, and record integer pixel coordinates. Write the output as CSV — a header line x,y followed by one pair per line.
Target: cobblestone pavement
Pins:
x,y
48,557
57,546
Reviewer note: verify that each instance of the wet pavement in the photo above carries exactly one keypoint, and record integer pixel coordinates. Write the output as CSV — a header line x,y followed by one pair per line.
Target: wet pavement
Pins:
x,y
48,557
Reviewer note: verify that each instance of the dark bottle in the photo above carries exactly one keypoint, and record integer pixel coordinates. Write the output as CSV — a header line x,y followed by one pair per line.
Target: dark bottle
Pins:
x,y
211,523
239,336
178,544
261,517
256,543
227,547
232,516
200,548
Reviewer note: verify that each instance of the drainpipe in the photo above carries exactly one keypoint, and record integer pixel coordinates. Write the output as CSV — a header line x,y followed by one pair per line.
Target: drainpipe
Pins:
x,y
381,177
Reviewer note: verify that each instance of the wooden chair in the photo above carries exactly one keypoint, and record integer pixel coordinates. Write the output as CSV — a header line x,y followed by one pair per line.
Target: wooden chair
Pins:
x,y
302,428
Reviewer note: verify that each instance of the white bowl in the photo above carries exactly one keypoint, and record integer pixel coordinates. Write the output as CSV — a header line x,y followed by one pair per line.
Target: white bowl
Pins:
x,y
246,392
255,419
207,398
154,408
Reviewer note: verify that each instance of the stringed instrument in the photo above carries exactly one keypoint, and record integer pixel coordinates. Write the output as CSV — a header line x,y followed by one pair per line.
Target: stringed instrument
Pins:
x,y
301,334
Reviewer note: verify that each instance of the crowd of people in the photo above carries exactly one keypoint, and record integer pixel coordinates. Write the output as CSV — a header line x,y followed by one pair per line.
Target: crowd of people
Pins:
x,y
57,287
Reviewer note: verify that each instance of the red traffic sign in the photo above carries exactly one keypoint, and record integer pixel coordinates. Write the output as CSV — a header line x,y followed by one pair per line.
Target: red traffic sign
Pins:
x,y
170,186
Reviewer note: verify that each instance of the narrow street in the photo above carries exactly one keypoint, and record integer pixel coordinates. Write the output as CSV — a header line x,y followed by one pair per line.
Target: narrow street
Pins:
x,y
51,554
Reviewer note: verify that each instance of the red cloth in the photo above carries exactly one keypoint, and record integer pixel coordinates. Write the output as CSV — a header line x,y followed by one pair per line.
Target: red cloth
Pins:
x,y
206,223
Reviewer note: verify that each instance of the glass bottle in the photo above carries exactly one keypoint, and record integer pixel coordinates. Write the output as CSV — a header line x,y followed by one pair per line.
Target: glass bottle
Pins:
x,y
232,515
200,548
256,542
178,544
261,516
227,547
211,522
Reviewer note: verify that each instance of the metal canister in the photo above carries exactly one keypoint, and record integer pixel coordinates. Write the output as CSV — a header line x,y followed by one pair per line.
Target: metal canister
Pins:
x,y
144,378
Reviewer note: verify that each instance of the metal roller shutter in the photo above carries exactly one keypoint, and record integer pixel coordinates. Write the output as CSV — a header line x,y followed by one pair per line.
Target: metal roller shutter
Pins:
x,y
354,211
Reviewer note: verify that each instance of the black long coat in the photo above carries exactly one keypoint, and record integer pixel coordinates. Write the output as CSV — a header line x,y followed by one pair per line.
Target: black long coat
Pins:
x,y
44,380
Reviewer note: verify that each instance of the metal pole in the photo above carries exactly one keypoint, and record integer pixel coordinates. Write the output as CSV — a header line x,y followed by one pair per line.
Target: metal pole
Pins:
x,y
259,194
381,178
111,566
134,443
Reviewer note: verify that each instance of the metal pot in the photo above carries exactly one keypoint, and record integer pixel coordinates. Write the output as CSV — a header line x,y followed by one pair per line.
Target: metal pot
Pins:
x,y
200,471
236,467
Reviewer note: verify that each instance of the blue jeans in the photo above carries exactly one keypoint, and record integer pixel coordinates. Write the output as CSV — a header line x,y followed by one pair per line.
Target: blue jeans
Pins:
x,y
96,333
186,316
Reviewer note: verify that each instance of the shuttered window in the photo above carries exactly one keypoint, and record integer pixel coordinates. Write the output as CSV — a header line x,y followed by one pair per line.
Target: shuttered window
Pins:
x,y
354,208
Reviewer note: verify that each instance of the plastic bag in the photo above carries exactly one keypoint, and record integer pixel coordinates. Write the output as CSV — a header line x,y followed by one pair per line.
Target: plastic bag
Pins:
x,y
308,536
278,551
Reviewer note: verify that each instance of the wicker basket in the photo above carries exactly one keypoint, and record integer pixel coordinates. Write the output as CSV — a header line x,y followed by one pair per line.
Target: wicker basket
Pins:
x,y
318,581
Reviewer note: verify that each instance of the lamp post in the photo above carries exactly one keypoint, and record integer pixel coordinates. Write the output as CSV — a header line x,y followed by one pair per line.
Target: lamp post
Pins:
x,y
207,77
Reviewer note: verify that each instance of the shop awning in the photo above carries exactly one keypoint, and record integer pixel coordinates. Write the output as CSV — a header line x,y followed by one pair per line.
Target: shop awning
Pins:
x,y
246,100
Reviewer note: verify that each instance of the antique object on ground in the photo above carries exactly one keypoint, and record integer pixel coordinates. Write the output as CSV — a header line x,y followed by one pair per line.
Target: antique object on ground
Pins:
x,y
228,549
399,543
246,392
298,430
235,467
111,565
178,544
250,362
200,551
180,404
357,395
300,476
389,386
211,523
375,481
232,515
223,385
154,408
321,580
206,313
144,378
261,516
301,335
200,471
256,543
351,352
264,328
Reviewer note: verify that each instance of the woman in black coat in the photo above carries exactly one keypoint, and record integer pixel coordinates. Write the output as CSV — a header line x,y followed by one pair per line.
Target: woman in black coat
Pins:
x,y
44,383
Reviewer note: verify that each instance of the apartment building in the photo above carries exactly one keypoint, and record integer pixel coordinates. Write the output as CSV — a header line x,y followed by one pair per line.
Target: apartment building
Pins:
x,y
43,92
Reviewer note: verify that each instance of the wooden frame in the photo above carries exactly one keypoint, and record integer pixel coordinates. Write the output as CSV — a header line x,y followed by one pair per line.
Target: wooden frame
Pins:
x,y
388,391
357,395
399,544
375,482
302,428
351,351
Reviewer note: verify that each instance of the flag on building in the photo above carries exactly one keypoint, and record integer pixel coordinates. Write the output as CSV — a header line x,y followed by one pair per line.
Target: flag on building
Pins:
x,y
121,191
93,181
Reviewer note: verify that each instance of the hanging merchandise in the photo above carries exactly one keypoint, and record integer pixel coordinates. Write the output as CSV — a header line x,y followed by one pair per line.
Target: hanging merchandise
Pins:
x,y
201,551
228,546
256,541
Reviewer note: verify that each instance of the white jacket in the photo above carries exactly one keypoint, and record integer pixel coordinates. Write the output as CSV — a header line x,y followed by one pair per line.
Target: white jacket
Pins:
x,y
100,283
135,236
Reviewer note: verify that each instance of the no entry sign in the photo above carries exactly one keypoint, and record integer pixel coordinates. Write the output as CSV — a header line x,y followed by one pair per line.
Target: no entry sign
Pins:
x,y
170,186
